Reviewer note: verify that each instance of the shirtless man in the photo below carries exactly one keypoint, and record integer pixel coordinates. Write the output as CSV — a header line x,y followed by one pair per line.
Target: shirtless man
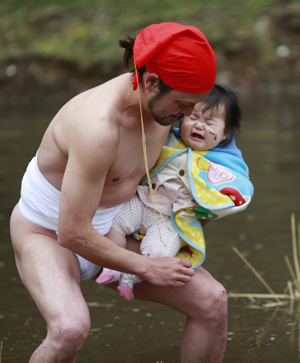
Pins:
x,y
89,162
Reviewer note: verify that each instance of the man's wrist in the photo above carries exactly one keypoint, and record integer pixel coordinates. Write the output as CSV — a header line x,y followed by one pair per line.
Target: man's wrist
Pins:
x,y
144,264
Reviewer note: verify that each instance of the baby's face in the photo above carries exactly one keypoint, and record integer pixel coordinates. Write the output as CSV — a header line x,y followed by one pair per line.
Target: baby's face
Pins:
x,y
203,131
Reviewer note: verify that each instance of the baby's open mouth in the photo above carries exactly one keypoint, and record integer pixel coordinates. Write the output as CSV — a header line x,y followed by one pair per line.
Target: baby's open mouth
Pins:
x,y
197,136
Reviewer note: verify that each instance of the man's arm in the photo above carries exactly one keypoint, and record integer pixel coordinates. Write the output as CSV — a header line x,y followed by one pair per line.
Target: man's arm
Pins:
x,y
91,152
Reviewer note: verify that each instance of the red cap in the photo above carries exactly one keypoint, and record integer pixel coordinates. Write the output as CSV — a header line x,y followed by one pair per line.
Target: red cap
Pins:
x,y
180,55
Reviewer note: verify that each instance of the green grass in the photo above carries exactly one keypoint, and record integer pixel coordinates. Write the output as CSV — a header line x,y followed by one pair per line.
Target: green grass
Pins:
x,y
86,32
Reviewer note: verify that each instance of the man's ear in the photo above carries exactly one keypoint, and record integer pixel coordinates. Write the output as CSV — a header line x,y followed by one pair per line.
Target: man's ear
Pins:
x,y
151,81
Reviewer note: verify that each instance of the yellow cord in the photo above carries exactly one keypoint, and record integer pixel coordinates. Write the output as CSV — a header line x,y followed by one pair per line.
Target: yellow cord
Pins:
x,y
146,159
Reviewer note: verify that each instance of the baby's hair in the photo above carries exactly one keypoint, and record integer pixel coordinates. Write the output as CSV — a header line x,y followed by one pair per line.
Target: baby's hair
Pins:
x,y
222,95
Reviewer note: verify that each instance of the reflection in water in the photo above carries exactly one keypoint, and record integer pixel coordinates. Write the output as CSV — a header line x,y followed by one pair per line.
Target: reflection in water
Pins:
x,y
137,331
273,336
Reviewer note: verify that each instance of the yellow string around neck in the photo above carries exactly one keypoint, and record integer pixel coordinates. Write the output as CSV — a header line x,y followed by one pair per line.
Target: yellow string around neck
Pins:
x,y
146,158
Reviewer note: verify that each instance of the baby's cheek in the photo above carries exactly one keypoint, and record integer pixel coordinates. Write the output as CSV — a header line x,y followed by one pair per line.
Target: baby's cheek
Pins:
x,y
213,135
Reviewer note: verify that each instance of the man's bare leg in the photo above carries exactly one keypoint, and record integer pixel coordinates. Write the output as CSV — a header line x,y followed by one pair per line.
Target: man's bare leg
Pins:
x,y
51,274
204,301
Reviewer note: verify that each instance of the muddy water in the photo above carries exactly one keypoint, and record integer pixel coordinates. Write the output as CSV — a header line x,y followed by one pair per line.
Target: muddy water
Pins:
x,y
144,332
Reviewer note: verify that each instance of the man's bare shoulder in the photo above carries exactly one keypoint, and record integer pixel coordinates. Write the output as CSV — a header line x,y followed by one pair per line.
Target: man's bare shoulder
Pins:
x,y
86,119
104,102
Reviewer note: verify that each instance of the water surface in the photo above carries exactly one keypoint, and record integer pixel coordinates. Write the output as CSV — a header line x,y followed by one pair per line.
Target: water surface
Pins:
x,y
138,331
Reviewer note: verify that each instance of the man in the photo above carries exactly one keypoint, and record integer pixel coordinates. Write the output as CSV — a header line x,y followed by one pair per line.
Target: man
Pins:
x,y
90,161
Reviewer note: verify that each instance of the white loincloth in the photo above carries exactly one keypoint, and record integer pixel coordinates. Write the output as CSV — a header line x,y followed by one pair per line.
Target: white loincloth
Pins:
x,y
39,203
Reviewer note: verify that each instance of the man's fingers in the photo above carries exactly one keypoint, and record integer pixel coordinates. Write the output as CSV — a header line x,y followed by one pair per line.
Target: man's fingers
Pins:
x,y
184,277
181,281
189,271
179,284
184,263
186,267
169,271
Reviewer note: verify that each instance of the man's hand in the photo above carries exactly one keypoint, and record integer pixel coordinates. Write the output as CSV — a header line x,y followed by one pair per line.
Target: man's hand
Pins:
x,y
167,271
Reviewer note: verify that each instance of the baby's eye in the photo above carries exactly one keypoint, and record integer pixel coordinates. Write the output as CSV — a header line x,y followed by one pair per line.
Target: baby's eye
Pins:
x,y
209,123
192,118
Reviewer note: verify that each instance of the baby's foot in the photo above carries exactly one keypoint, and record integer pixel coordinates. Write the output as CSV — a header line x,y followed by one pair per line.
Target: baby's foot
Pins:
x,y
107,276
125,291
125,287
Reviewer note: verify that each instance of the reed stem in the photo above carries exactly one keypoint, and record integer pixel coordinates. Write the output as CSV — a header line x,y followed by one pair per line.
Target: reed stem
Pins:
x,y
295,253
290,268
255,273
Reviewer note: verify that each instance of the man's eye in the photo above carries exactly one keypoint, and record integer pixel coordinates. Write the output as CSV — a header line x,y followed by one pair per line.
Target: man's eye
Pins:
x,y
184,105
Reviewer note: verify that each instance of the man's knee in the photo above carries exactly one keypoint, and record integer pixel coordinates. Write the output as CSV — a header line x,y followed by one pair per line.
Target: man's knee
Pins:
x,y
217,302
210,297
68,336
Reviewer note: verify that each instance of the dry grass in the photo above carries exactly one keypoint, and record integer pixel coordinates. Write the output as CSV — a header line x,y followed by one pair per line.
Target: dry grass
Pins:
x,y
292,290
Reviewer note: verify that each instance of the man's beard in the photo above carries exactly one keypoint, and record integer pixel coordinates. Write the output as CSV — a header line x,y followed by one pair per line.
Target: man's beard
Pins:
x,y
159,119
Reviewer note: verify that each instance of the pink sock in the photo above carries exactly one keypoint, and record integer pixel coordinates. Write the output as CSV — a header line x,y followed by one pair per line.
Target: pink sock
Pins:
x,y
125,291
127,282
108,276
